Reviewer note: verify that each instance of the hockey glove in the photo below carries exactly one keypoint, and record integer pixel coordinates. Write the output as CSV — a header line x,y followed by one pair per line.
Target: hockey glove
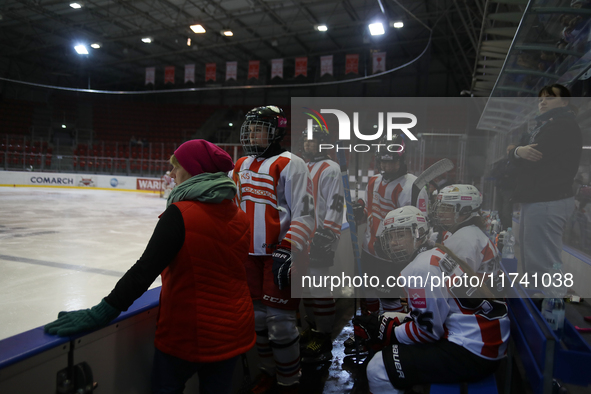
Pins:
x,y
359,211
321,253
366,327
389,321
282,267
70,323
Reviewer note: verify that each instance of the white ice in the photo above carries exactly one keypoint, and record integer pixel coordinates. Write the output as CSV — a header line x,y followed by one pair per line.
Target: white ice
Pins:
x,y
65,249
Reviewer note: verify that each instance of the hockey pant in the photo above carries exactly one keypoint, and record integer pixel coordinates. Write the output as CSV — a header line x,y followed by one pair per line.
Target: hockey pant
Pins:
x,y
319,304
278,342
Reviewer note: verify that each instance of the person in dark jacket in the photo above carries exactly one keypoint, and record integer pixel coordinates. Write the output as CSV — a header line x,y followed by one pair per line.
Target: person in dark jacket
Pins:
x,y
199,247
504,174
546,168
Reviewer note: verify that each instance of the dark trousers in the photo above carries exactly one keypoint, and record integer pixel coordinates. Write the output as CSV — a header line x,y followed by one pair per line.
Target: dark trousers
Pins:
x,y
170,374
505,204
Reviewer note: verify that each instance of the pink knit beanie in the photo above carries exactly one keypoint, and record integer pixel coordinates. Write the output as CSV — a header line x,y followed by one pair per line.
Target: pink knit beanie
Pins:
x,y
199,156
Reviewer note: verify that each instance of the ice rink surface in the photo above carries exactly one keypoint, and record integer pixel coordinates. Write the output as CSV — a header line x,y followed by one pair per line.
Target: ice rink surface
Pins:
x,y
65,249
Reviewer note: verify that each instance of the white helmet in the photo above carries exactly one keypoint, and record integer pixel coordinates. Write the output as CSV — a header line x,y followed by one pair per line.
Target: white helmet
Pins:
x,y
396,224
460,200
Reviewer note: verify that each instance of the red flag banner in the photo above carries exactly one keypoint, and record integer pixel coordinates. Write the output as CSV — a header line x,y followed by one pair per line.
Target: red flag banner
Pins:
x,y
352,63
276,68
189,73
301,66
150,75
169,74
253,69
379,62
210,72
326,65
231,70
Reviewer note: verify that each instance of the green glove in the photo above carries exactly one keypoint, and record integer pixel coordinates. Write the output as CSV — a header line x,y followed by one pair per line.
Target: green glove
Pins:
x,y
70,323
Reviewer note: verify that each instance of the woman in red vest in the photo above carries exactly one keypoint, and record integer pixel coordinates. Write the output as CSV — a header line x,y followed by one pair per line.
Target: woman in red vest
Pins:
x,y
199,247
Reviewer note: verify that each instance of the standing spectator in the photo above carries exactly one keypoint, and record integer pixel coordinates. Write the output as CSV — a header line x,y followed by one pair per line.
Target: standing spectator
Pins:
x,y
275,191
546,168
199,246
505,181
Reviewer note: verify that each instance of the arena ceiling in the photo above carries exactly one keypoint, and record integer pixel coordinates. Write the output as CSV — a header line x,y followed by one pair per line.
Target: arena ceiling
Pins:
x,y
37,37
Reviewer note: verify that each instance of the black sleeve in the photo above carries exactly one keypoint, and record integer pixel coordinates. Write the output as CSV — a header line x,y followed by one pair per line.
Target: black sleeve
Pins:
x,y
167,240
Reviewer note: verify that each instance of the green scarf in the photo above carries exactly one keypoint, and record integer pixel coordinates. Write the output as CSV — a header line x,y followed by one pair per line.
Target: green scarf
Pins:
x,y
207,187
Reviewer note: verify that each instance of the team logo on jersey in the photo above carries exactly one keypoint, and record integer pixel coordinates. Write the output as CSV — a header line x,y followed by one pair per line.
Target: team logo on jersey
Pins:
x,y
417,298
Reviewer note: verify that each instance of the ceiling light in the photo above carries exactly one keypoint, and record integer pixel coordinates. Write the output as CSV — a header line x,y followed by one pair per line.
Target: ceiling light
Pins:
x,y
321,27
197,29
376,29
63,126
230,124
227,33
96,45
76,5
81,49
398,25
147,40
188,42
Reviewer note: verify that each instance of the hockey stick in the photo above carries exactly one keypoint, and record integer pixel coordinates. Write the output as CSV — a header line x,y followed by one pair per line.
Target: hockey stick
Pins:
x,y
352,229
349,203
435,170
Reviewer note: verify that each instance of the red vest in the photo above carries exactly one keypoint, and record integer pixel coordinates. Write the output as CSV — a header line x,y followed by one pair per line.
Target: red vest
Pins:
x,y
206,312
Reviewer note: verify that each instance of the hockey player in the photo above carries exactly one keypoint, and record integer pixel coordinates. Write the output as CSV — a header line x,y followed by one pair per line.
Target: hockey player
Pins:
x,y
457,211
390,189
275,191
462,332
329,199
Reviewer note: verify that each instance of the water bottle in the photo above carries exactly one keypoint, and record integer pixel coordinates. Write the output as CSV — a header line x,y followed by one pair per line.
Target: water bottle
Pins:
x,y
494,226
508,243
553,310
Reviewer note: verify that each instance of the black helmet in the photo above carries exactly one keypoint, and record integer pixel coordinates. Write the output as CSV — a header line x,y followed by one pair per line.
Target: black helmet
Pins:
x,y
319,134
270,117
393,150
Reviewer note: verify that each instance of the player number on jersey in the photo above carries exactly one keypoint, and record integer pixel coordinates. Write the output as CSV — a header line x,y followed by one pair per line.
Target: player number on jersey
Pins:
x,y
337,203
308,209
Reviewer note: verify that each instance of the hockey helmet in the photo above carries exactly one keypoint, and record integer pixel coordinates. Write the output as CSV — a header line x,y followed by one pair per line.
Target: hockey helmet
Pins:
x,y
262,127
391,150
319,135
405,230
454,202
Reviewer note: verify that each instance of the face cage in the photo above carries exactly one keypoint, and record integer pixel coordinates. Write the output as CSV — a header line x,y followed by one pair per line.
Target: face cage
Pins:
x,y
400,256
456,218
252,149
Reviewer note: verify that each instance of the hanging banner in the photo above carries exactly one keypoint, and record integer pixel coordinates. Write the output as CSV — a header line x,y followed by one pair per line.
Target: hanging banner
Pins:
x,y
210,72
253,69
169,74
189,73
150,75
379,62
301,66
326,65
352,63
276,68
231,70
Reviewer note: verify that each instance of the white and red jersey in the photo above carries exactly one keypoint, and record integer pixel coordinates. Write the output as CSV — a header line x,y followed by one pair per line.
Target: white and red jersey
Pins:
x,y
440,311
328,195
277,195
473,246
382,197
